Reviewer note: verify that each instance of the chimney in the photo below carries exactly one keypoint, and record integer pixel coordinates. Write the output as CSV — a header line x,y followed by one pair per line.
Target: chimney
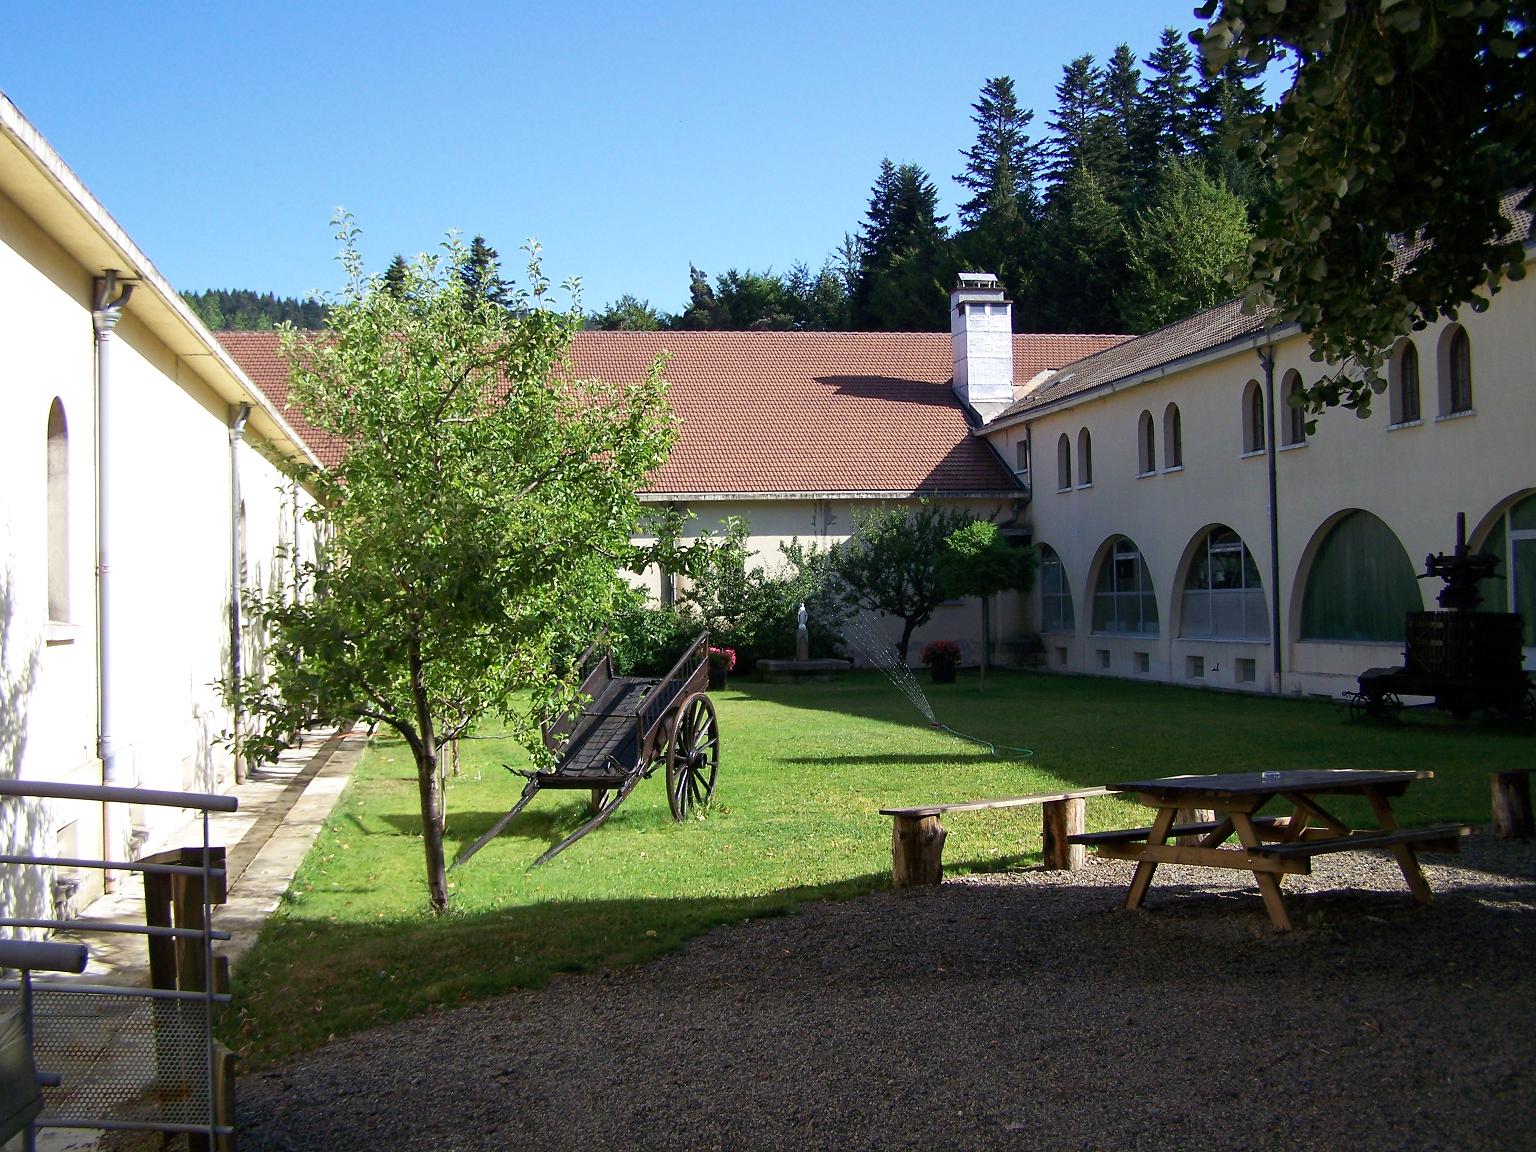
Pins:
x,y
981,338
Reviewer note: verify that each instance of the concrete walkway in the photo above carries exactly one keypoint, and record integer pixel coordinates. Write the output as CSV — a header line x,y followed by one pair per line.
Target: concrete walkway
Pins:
x,y
283,806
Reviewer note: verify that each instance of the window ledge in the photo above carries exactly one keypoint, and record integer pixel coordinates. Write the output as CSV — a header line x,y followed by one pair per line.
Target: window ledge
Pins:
x,y
1293,446
1173,468
1067,489
1084,487
58,632
1249,455
1127,635
1405,424
1465,412
1144,475
1225,640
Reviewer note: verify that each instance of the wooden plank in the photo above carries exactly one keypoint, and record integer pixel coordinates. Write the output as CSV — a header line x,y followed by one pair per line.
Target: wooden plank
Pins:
x,y
1127,835
1234,858
1145,867
1003,802
917,851
1510,803
1431,838
1268,882
1188,790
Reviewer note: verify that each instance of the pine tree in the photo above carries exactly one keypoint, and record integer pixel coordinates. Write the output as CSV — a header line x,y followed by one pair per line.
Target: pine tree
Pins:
x,y
1079,104
1124,133
905,257
1082,258
1000,166
394,276
481,274
1169,95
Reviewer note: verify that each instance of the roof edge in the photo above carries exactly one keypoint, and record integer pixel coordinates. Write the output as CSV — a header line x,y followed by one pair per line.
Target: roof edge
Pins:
x,y
895,494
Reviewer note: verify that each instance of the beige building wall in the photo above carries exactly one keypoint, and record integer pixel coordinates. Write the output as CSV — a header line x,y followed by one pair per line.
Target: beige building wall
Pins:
x,y
173,526
1414,476
825,522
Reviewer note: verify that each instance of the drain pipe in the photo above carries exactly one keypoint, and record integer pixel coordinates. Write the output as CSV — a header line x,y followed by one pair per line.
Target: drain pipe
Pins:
x,y
236,584
108,301
1266,355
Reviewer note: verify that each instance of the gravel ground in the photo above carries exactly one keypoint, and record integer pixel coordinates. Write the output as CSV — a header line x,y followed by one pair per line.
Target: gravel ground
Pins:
x,y
1023,1010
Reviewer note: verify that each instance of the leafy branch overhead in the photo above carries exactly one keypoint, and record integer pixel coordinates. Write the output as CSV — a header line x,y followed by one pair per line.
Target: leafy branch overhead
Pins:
x,y
473,521
1405,123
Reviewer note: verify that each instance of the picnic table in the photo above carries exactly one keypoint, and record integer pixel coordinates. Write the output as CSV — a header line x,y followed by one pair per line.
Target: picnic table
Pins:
x,y
1269,846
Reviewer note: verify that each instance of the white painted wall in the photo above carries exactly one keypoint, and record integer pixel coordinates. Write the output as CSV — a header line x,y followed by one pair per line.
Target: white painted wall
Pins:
x,y
1415,478
171,566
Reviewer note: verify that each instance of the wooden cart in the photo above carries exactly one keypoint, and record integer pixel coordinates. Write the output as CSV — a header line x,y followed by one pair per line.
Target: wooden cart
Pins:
x,y
632,727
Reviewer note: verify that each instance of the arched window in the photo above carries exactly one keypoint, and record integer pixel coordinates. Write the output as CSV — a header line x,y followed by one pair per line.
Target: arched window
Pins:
x,y
1253,417
1405,385
1459,369
1063,463
1223,596
1295,414
1361,584
1055,593
1084,457
1173,437
58,513
1122,597
1513,587
1146,445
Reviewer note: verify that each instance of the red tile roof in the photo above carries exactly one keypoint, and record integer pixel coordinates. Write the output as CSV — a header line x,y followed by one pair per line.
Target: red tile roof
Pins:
x,y
257,355
784,412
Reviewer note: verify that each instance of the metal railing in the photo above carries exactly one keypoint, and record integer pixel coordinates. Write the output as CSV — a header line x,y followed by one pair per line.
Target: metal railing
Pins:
x,y
120,1057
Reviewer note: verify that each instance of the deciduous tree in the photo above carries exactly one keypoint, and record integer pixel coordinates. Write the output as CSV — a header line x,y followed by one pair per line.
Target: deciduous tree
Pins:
x,y
1404,125
473,524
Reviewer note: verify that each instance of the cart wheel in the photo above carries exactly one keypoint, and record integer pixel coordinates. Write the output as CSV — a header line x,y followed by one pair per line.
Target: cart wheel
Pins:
x,y
1359,705
692,757
1390,705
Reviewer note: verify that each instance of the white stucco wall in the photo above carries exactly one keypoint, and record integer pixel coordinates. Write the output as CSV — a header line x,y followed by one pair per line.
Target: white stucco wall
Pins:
x,y
1415,478
171,563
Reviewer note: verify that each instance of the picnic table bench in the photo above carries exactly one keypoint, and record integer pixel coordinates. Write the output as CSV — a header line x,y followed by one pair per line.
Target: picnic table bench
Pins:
x,y
1269,846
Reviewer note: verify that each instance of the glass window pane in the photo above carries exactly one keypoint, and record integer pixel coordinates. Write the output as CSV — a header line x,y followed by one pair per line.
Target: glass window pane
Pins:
x,y
1522,517
1522,575
1361,584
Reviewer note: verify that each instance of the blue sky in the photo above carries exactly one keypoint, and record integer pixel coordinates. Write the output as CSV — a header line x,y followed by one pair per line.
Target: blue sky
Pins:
x,y
630,140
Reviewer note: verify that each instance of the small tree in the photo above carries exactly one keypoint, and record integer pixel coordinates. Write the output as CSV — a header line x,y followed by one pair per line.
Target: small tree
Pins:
x,y
892,564
977,561
474,520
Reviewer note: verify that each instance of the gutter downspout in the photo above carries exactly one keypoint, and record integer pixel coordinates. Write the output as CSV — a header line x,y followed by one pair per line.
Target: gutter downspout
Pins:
x,y
236,569
1266,354
108,301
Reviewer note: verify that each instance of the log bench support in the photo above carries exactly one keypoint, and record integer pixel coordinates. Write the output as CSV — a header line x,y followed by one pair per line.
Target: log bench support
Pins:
x,y
917,834
1512,804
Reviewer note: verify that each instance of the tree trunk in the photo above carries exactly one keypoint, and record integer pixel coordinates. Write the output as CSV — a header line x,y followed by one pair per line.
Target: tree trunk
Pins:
x,y
427,782
908,627
986,643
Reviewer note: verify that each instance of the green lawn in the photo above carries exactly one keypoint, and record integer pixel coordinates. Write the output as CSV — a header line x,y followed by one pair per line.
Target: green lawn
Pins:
x,y
803,774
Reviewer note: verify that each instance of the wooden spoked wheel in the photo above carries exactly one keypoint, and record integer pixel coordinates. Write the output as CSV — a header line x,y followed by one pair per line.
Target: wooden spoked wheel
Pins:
x,y
693,756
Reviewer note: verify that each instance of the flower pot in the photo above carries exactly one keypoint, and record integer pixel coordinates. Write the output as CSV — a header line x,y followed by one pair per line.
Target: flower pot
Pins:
x,y
942,673
716,677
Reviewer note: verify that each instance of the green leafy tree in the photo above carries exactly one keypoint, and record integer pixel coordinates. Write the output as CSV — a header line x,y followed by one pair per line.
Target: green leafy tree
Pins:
x,y
629,314
1403,126
978,561
474,521
1183,249
893,564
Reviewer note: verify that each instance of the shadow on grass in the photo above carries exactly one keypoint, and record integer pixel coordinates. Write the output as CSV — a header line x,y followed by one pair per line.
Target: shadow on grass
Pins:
x,y
309,980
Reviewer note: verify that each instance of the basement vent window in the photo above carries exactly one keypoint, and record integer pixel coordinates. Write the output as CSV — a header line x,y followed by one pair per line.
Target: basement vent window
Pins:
x,y
1141,661
1247,670
1104,658
1194,667
1061,657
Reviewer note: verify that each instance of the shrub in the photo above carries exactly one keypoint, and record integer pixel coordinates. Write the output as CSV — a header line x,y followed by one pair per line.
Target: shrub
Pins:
x,y
941,654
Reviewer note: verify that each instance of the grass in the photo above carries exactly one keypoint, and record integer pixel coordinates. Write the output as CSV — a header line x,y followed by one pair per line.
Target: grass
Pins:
x,y
804,772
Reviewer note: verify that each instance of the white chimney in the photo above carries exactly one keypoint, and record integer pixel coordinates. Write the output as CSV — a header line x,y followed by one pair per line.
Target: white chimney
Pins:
x,y
981,337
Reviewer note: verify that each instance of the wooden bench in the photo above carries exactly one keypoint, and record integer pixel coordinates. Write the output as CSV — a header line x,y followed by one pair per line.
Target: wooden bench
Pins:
x,y
917,834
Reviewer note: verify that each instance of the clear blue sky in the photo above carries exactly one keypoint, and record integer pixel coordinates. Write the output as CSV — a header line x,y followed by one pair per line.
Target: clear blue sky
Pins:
x,y
629,139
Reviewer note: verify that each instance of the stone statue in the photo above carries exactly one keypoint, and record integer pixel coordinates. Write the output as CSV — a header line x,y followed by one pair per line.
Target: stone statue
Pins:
x,y
802,637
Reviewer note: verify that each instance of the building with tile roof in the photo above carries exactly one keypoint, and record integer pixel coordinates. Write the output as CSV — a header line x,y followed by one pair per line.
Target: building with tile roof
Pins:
x,y
1193,529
